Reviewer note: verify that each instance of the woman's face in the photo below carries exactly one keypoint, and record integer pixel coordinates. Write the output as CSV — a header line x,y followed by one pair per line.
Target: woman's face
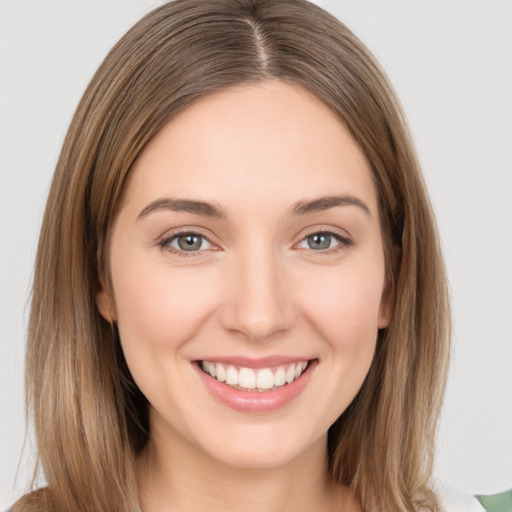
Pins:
x,y
248,276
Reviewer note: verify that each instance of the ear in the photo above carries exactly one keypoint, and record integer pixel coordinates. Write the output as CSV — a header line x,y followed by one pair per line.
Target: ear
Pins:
x,y
105,300
385,308
387,301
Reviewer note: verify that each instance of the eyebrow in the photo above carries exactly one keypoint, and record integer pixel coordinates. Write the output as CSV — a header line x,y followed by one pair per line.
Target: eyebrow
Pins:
x,y
326,202
184,205
211,209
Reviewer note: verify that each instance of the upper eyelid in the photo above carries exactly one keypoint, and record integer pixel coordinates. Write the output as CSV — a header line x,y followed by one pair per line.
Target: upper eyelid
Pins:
x,y
343,241
342,233
174,233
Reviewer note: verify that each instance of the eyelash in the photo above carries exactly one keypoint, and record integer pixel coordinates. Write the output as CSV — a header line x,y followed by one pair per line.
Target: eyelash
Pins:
x,y
344,242
164,243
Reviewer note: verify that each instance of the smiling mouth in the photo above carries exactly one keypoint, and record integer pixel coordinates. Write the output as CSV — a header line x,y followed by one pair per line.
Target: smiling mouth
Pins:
x,y
252,379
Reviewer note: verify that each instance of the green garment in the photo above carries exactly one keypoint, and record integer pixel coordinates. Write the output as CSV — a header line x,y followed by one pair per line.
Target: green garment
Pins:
x,y
497,502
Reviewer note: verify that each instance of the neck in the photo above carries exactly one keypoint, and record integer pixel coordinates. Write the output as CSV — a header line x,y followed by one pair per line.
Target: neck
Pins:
x,y
175,474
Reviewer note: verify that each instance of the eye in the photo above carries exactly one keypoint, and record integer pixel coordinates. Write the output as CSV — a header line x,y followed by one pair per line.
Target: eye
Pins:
x,y
323,241
187,242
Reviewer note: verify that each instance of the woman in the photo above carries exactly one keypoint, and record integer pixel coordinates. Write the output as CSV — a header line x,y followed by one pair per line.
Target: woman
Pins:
x,y
239,290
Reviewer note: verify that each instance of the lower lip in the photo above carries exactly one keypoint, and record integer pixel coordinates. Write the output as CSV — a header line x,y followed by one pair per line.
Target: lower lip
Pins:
x,y
256,401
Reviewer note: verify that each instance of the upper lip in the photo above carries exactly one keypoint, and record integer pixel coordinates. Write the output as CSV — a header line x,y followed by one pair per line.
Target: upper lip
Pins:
x,y
255,363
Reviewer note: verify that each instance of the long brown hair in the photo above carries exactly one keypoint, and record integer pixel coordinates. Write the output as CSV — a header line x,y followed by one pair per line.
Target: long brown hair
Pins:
x,y
90,419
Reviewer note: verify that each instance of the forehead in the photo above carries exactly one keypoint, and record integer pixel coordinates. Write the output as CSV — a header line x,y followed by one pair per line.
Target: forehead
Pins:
x,y
263,140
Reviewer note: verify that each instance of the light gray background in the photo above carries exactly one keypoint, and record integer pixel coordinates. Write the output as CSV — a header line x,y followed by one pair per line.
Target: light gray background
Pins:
x,y
451,62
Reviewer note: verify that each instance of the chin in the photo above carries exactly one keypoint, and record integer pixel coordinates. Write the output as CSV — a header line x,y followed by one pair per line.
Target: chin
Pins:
x,y
263,449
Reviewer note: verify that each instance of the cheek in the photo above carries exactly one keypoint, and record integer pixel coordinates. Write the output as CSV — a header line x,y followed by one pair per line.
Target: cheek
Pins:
x,y
344,308
344,305
158,308
159,311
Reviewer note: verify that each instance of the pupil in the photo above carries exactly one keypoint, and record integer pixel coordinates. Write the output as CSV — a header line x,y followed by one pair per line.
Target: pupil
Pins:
x,y
319,241
189,242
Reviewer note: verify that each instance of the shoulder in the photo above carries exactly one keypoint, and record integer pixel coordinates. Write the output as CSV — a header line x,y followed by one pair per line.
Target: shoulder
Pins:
x,y
497,502
35,501
453,500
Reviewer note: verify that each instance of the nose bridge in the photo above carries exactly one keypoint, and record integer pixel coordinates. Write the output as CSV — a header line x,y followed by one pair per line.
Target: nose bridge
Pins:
x,y
259,304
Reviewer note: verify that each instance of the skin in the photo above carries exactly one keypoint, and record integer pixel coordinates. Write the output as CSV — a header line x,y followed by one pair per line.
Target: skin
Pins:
x,y
255,288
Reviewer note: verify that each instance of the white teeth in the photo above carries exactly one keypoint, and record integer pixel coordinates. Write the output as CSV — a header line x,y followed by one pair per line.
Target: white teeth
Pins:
x,y
231,376
220,372
248,378
280,376
265,379
209,368
290,374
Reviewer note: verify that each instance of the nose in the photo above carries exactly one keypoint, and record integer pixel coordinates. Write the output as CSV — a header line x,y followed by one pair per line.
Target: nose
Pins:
x,y
258,303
